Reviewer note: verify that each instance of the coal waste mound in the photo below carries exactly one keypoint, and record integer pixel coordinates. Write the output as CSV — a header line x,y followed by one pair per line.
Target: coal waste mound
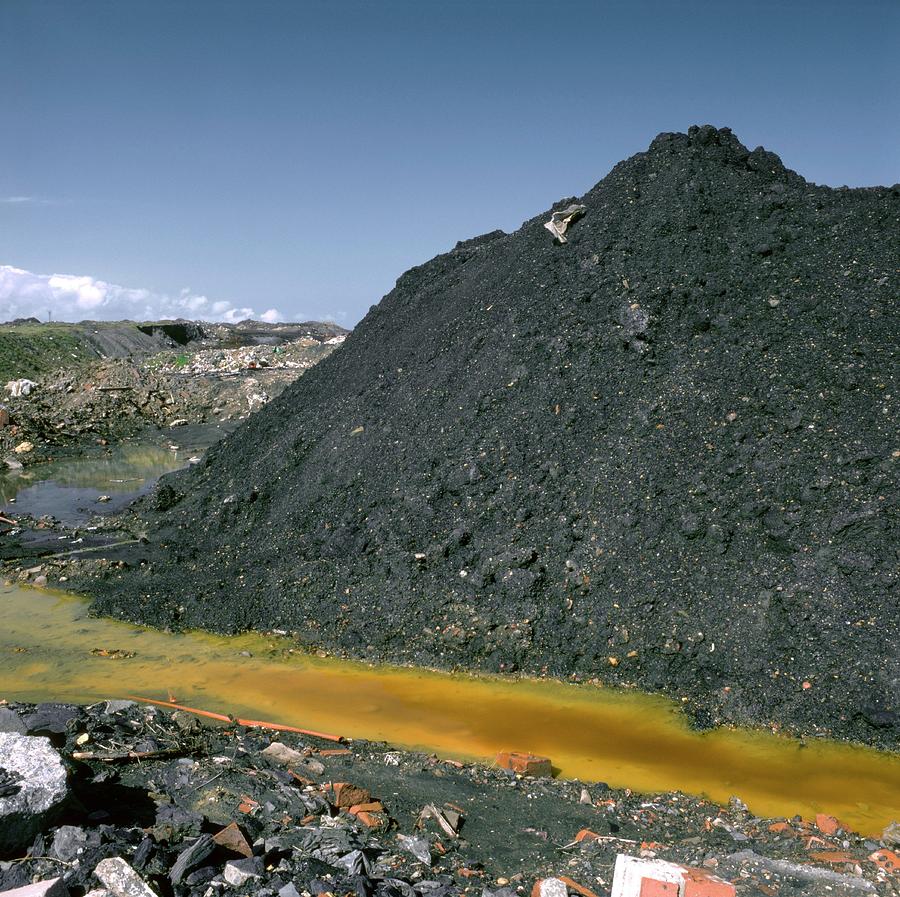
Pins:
x,y
662,453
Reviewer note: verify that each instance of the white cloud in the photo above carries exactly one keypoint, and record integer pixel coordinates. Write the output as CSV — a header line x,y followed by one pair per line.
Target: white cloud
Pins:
x,y
25,200
71,297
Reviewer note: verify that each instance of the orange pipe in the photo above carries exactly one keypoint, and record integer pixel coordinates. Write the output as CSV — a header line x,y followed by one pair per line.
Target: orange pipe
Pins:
x,y
253,723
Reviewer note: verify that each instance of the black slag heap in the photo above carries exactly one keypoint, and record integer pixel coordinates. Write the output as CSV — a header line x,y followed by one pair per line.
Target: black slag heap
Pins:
x,y
662,453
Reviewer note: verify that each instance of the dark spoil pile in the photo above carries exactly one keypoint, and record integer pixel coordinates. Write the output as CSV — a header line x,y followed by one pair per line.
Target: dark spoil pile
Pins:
x,y
662,453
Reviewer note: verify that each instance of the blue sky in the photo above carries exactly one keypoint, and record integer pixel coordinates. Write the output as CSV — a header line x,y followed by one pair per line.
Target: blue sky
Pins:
x,y
213,157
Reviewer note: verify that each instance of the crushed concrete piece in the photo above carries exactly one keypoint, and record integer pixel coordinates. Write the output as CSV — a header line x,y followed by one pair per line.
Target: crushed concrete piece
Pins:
x,y
289,891
550,887
37,779
21,387
52,887
67,842
115,706
281,753
559,221
239,872
418,847
803,872
119,878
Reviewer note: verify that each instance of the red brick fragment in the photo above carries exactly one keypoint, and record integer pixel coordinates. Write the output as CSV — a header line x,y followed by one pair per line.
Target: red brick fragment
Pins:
x,y
650,887
373,806
586,835
370,819
345,795
525,764
698,883
835,857
887,860
232,838
827,825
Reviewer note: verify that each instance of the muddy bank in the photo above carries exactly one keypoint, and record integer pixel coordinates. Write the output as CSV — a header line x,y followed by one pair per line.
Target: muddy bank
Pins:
x,y
658,454
198,810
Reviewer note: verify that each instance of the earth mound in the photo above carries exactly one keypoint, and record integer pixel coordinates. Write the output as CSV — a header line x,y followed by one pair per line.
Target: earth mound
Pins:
x,y
661,453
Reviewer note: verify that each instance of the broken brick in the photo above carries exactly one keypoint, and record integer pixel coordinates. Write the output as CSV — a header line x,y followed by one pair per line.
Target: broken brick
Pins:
x,y
525,764
834,857
886,859
345,795
827,825
650,887
698,883
373,806
232,838
370,820
586,835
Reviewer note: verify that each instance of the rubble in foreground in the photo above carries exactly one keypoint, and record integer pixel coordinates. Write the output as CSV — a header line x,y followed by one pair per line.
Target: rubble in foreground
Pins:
x,y
160,803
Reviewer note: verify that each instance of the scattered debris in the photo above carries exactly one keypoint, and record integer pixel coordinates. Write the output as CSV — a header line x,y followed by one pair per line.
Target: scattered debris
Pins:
x,y
524,764
560,222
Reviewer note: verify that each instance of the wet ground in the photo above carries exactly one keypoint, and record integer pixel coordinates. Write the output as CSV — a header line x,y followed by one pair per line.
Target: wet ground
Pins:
x,y
52,650
634,751
69,488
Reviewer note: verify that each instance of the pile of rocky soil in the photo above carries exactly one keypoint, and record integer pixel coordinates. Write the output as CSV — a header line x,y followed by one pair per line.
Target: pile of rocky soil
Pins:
x,y
131,800
662,452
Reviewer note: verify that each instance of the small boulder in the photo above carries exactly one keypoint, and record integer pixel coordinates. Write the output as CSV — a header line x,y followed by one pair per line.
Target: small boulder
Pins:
x,y
239,872
121,880
34,792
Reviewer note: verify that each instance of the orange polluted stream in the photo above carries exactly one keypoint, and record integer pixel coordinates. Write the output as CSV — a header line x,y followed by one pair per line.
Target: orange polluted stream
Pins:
x,y
624,738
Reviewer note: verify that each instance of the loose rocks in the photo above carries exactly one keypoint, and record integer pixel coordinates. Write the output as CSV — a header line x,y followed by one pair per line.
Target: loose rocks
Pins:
x,y
32,788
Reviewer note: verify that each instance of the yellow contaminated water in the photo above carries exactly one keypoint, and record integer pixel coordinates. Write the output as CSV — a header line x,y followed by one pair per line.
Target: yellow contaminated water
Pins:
x,y
50,649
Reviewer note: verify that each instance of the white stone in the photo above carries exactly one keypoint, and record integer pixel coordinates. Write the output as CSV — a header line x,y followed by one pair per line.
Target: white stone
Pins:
x,y
239,872
631,871
553,887
119,878
281,753
42,788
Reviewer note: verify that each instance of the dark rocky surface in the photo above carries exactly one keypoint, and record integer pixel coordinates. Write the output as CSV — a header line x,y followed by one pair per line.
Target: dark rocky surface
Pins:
x,y
663,453
188,809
